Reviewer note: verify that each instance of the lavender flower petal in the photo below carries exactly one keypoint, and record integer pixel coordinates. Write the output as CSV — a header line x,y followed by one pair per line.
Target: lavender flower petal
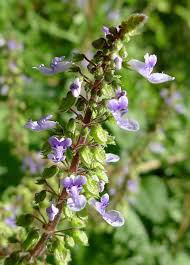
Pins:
x,y
105,30
56,66
158,78
145,69
101,185
76,203
114,218
76,88
117,61
112,158
42,124
52,211
128,125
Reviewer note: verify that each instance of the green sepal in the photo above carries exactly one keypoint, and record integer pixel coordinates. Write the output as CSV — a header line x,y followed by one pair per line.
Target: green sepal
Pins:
x,y
13,239
40,181
31,239
99,43
40,196
92,186
80,237
69,241
107,91
77,57
50,172
13,259
67,102
74,69
99,134
86,156
24,220
99,154
102,175
71,126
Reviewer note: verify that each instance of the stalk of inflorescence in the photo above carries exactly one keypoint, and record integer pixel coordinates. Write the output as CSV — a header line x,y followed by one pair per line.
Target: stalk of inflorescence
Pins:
x,y
76,149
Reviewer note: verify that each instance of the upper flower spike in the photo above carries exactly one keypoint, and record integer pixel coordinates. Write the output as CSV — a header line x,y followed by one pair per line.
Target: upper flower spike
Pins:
x,y
42,124
145,69
56,66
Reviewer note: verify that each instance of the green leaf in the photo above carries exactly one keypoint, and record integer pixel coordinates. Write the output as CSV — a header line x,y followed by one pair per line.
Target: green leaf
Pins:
x,y
102,175
69,241
50,172
99,134
40,196
24,220
80,237
152,199
86,156
67,102
99,154
92,186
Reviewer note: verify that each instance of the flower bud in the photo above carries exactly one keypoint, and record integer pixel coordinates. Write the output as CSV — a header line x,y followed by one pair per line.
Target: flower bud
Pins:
x,y
76,88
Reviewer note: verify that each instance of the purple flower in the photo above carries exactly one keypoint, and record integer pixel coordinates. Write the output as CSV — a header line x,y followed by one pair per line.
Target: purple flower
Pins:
x,y
14,45
145,69
105,30
112,217
127,124
73,186
114,15
33,163
117,61
56,66
52,211
101,185
43,124
119,107
112,158
76,87
156,147
4,90
59,147
132,185
11,221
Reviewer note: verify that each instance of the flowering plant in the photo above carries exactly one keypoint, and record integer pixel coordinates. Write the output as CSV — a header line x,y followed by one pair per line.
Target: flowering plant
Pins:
x,y
76,177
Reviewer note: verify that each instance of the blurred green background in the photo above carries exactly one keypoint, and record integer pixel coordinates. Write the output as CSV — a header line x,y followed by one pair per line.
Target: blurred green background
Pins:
x,y
151,183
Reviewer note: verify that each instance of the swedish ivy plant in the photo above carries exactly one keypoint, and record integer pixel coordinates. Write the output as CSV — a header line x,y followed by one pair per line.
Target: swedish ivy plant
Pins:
x,y
74,182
